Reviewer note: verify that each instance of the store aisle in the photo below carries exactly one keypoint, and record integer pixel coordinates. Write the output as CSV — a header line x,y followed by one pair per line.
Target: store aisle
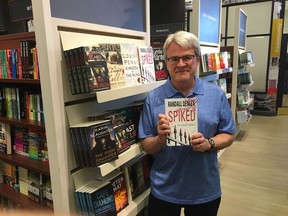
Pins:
x,y
254,170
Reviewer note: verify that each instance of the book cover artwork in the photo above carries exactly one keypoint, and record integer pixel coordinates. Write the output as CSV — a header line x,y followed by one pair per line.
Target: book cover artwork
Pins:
x,y
161,71
182,116
146,60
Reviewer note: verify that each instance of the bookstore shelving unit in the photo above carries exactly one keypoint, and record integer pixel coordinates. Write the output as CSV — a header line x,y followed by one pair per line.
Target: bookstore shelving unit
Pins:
x,y
53,35
12,41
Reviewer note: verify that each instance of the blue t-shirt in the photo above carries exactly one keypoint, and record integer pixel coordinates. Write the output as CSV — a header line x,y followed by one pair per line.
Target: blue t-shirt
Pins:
x,y
180,175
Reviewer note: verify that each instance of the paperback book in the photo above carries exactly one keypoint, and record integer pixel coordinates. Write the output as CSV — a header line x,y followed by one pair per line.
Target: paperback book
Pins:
x,y
183,120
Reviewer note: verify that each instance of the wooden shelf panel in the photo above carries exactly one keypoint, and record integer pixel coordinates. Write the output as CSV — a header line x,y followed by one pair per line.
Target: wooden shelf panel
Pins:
x,y
24,122
11,41
20,81
26,162
9,193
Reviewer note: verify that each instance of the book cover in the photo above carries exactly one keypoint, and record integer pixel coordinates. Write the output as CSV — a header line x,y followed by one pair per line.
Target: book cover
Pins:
x,y
131,66
161,72
101,199
118,182
100,141
146,60
47,192
34,182
222,83
136,178
94,68
5,138
183,120
112,53
23,180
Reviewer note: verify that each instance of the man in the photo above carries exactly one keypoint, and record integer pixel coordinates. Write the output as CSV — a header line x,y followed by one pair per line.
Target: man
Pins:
x,y
185,176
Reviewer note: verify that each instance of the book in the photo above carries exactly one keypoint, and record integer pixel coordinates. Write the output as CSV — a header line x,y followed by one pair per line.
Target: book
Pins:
x,y
146,60
23,180
101,199
94,68
183,120
135,175
222,83
118,182
99,141
47,192
34,184
112,53
161,71
130,64
5,138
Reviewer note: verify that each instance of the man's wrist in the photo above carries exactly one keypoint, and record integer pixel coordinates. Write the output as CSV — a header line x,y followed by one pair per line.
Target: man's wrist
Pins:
x,y
212,144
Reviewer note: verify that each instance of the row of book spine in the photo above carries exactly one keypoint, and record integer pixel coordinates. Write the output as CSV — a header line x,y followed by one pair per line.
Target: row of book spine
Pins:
x,y
110,194
26,142
21,63
215,61
102,138
110,66
35,186
19,103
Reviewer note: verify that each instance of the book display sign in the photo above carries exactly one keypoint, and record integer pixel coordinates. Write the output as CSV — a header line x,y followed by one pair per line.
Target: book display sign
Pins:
x,y
242,30
209,18
183,120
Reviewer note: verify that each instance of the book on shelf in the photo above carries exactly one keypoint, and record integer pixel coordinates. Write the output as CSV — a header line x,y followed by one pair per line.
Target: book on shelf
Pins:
x,y
222,83
183,120
96,198
161,71
125,122
99,143
47,191
23,180
146,60
118,182
138,174
35,191
5,138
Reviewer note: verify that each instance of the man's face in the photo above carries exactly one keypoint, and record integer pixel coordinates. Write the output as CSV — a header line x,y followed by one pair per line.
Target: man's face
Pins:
x,y
184,68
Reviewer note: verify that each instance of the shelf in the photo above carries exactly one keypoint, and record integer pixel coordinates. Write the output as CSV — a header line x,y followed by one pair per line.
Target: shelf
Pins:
x,y
114,94
214,75
20,81
84,175
26,162
247,103
136,205
127,155
9,193
17,36
24,122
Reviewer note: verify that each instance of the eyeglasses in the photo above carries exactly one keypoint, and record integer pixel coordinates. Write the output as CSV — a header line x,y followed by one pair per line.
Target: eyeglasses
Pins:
x,y
185,59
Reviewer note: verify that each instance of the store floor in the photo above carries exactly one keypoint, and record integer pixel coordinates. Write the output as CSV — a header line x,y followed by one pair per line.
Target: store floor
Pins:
x,y
254,170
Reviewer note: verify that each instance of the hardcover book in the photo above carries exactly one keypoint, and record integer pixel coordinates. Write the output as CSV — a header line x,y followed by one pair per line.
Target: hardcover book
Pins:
x,y
94,67
146,59
101,200
112,53
183,120
161,71
99,141
118,182
131,66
